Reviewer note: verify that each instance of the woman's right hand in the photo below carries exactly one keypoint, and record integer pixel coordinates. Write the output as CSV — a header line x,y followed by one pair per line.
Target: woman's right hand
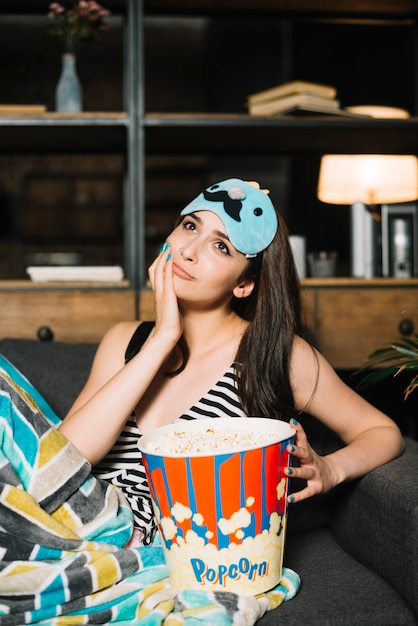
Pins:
x,y
114,389
168,320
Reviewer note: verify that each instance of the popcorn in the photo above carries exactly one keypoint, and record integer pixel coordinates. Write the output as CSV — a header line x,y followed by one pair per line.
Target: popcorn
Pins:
x,y
209,440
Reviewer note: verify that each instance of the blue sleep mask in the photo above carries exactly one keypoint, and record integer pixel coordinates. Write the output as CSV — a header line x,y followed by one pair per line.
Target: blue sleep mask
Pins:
x,y
245,210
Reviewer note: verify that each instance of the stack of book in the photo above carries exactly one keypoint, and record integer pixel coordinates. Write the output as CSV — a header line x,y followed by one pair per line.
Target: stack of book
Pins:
x,y
295,98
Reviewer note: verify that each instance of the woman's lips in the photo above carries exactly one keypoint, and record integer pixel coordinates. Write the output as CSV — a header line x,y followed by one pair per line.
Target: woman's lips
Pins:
x,y
179,271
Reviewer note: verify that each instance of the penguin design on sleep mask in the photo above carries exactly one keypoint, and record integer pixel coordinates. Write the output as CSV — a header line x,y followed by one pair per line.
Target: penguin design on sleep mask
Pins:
x,y
246,211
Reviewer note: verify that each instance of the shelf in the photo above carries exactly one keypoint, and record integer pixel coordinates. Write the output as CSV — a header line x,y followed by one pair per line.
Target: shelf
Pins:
x,y
179,133
28,285
35,7
344,282
312,7
388,8
82,119
63,132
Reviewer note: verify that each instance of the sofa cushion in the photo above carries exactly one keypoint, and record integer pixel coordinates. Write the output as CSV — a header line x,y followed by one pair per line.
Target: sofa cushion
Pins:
x,y
336,590
377,521
57,370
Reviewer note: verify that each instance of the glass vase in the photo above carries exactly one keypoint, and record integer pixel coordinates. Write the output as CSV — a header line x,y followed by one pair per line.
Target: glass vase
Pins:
x,y
68,94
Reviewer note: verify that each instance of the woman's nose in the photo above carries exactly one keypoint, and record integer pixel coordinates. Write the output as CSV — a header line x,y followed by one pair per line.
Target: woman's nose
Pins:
x,y
189,252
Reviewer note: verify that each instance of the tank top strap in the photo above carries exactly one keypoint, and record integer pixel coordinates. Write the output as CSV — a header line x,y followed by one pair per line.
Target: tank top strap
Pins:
x,y
138,339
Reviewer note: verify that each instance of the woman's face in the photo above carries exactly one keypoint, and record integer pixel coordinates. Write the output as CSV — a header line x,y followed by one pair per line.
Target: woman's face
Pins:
x,y
206,267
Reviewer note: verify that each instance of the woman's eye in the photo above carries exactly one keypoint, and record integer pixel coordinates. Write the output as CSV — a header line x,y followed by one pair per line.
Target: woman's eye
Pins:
x,y
221,245
189,225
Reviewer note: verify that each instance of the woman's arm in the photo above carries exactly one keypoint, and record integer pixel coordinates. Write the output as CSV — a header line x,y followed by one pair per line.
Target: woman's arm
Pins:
x,y
113,389
372,438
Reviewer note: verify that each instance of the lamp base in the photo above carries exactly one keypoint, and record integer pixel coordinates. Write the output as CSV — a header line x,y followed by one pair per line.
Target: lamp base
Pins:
x,y
366,258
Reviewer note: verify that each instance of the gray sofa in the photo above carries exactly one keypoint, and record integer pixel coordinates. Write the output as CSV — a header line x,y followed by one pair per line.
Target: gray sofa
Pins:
x,y
356,549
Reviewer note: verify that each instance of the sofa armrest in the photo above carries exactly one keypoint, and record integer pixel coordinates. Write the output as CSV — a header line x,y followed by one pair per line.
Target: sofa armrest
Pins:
x,y
58,370
377,521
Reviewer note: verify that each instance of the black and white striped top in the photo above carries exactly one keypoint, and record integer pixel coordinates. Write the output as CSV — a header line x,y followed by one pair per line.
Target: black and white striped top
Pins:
x,y
123,465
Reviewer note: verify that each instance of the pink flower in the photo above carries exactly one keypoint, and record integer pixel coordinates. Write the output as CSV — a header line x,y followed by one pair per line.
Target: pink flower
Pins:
x,y
56,7
84,21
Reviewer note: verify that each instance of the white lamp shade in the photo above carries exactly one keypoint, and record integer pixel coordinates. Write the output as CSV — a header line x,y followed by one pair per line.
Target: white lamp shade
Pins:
x,y
368,178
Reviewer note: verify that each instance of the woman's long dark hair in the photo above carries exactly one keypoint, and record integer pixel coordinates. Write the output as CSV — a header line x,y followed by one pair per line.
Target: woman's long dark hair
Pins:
x,y
274,312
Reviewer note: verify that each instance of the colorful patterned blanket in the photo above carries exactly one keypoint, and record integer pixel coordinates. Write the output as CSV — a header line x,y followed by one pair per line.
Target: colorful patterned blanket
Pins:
x,y
62,533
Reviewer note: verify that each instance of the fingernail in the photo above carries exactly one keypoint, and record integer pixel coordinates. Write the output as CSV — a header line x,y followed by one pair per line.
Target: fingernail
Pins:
x,y
294,422
292,448
289,470
168,256
291,499
164,247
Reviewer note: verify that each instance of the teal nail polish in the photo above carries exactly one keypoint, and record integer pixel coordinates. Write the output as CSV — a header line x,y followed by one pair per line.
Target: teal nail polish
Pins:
x,y
164,247
168,256
294,422
291,499
289,471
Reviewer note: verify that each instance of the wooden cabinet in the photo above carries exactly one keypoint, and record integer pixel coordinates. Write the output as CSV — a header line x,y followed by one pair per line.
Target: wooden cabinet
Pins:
x,y
73,313
352,318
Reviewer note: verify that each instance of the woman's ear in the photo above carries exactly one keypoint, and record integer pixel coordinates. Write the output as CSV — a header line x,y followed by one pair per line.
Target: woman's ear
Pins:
x,y
244,289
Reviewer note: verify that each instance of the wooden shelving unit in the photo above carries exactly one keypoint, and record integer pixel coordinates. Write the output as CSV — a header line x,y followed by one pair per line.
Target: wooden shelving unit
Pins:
x,y
141,132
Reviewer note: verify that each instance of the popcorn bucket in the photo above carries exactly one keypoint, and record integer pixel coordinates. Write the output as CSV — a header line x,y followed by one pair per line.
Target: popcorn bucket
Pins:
x,y
219,494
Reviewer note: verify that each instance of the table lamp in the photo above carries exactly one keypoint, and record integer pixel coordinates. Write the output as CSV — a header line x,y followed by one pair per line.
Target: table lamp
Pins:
x,y
365,181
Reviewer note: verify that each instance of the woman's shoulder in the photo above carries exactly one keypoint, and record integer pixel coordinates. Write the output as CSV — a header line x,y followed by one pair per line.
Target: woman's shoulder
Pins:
x,y
310,372
121,332
116,340
307,360
301,350
108,360
303,360
304,371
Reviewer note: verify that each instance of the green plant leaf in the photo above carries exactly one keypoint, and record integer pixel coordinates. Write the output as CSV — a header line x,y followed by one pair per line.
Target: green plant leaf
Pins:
x,y
389,361
376,375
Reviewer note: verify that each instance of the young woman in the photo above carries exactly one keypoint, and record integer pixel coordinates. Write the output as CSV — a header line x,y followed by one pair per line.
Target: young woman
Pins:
x,y
227,341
